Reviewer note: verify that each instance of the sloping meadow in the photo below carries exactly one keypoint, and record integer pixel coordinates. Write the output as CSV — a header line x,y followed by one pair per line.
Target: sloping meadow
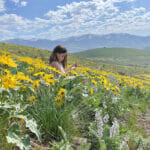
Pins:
x,y
38,104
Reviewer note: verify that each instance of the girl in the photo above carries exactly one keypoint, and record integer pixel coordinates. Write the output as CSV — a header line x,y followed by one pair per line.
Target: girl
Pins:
x,y
58,59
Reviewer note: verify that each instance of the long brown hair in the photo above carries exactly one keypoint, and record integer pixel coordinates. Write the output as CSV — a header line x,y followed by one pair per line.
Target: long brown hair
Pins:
x,y
58,49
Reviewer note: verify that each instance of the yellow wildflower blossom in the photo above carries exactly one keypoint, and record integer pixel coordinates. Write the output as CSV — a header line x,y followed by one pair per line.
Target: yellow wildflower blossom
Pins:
x,y
24,86
49,79
32,99
7,60
41,74
9,81
22,121
30,69
59,100
20,76
91,90
36,84
94,82
62,92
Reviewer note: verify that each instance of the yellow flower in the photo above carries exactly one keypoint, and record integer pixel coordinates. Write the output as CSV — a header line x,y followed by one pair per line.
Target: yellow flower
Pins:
x,y
66,75
7,60
49,79
91,90
36,84
6,71
62,92
30,69
94,82
20,76
22,121
32,99
9,81
74,72
59,100
41,74
24,86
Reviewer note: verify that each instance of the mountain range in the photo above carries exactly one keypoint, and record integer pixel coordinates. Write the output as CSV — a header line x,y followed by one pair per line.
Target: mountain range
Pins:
x,y
88,41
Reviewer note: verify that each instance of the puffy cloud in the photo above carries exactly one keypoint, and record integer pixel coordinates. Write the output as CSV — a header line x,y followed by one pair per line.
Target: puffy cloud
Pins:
x,y
122,0
23,3
96,16
2,7
15,1
82,11
84,17
6,34
20,3
13,21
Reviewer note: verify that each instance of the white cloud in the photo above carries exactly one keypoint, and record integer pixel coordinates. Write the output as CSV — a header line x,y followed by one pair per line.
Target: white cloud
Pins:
x,y
15,1
82,11
23,3
6,34
121,1
95,16
2,7
20,3
13,22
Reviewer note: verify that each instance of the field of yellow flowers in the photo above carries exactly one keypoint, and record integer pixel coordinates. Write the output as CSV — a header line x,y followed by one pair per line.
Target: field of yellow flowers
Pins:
x,y
40,105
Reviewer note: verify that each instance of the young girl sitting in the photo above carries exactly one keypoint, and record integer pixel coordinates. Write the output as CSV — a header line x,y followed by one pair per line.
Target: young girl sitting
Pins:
x,y
58,59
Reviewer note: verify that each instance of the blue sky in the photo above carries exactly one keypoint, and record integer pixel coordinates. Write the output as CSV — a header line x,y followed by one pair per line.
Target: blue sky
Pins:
x,y
54,19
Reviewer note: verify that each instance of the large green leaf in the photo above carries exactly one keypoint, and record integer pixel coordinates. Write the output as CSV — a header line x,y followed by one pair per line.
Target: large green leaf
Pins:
x,y
32,125
101,142
14,136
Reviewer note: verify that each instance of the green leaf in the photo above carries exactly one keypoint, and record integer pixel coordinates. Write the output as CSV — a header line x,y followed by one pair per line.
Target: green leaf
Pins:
x,y
14,136
64,135
101,142
32,125
84,146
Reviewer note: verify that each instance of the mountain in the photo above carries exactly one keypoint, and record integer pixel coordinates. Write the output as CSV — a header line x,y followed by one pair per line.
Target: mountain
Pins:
x,y
120,56
147,48
88,41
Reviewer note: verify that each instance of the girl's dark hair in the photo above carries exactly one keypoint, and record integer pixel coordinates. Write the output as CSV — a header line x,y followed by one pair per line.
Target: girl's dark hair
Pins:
x,y
58,49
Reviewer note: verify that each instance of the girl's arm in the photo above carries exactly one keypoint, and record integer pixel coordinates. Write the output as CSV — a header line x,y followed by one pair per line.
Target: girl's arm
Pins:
x,y
55,65
73,67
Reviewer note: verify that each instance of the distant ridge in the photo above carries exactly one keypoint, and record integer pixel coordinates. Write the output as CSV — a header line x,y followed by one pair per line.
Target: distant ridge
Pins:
x,y
121,56
147,48
88,41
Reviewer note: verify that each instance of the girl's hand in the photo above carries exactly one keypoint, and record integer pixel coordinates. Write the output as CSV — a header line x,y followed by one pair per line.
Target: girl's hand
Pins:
x,y
74,66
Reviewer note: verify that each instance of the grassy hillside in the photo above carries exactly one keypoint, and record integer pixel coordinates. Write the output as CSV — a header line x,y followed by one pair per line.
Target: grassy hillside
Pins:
x,y
82,61
121,56
25,51
85,109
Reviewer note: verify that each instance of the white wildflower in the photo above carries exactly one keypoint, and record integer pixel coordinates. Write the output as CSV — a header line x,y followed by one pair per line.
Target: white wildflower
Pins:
x,y
94,86
2,89
85,95
114,130
124,146
140,148
99,120
104,105
114,100
106,118
126,138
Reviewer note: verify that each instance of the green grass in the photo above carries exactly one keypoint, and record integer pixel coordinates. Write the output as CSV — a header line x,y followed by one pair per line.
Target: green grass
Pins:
x,y
25,51
120,56
125,61
78,111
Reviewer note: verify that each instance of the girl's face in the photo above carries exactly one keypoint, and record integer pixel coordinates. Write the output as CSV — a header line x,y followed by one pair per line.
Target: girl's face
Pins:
x,y
61,56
